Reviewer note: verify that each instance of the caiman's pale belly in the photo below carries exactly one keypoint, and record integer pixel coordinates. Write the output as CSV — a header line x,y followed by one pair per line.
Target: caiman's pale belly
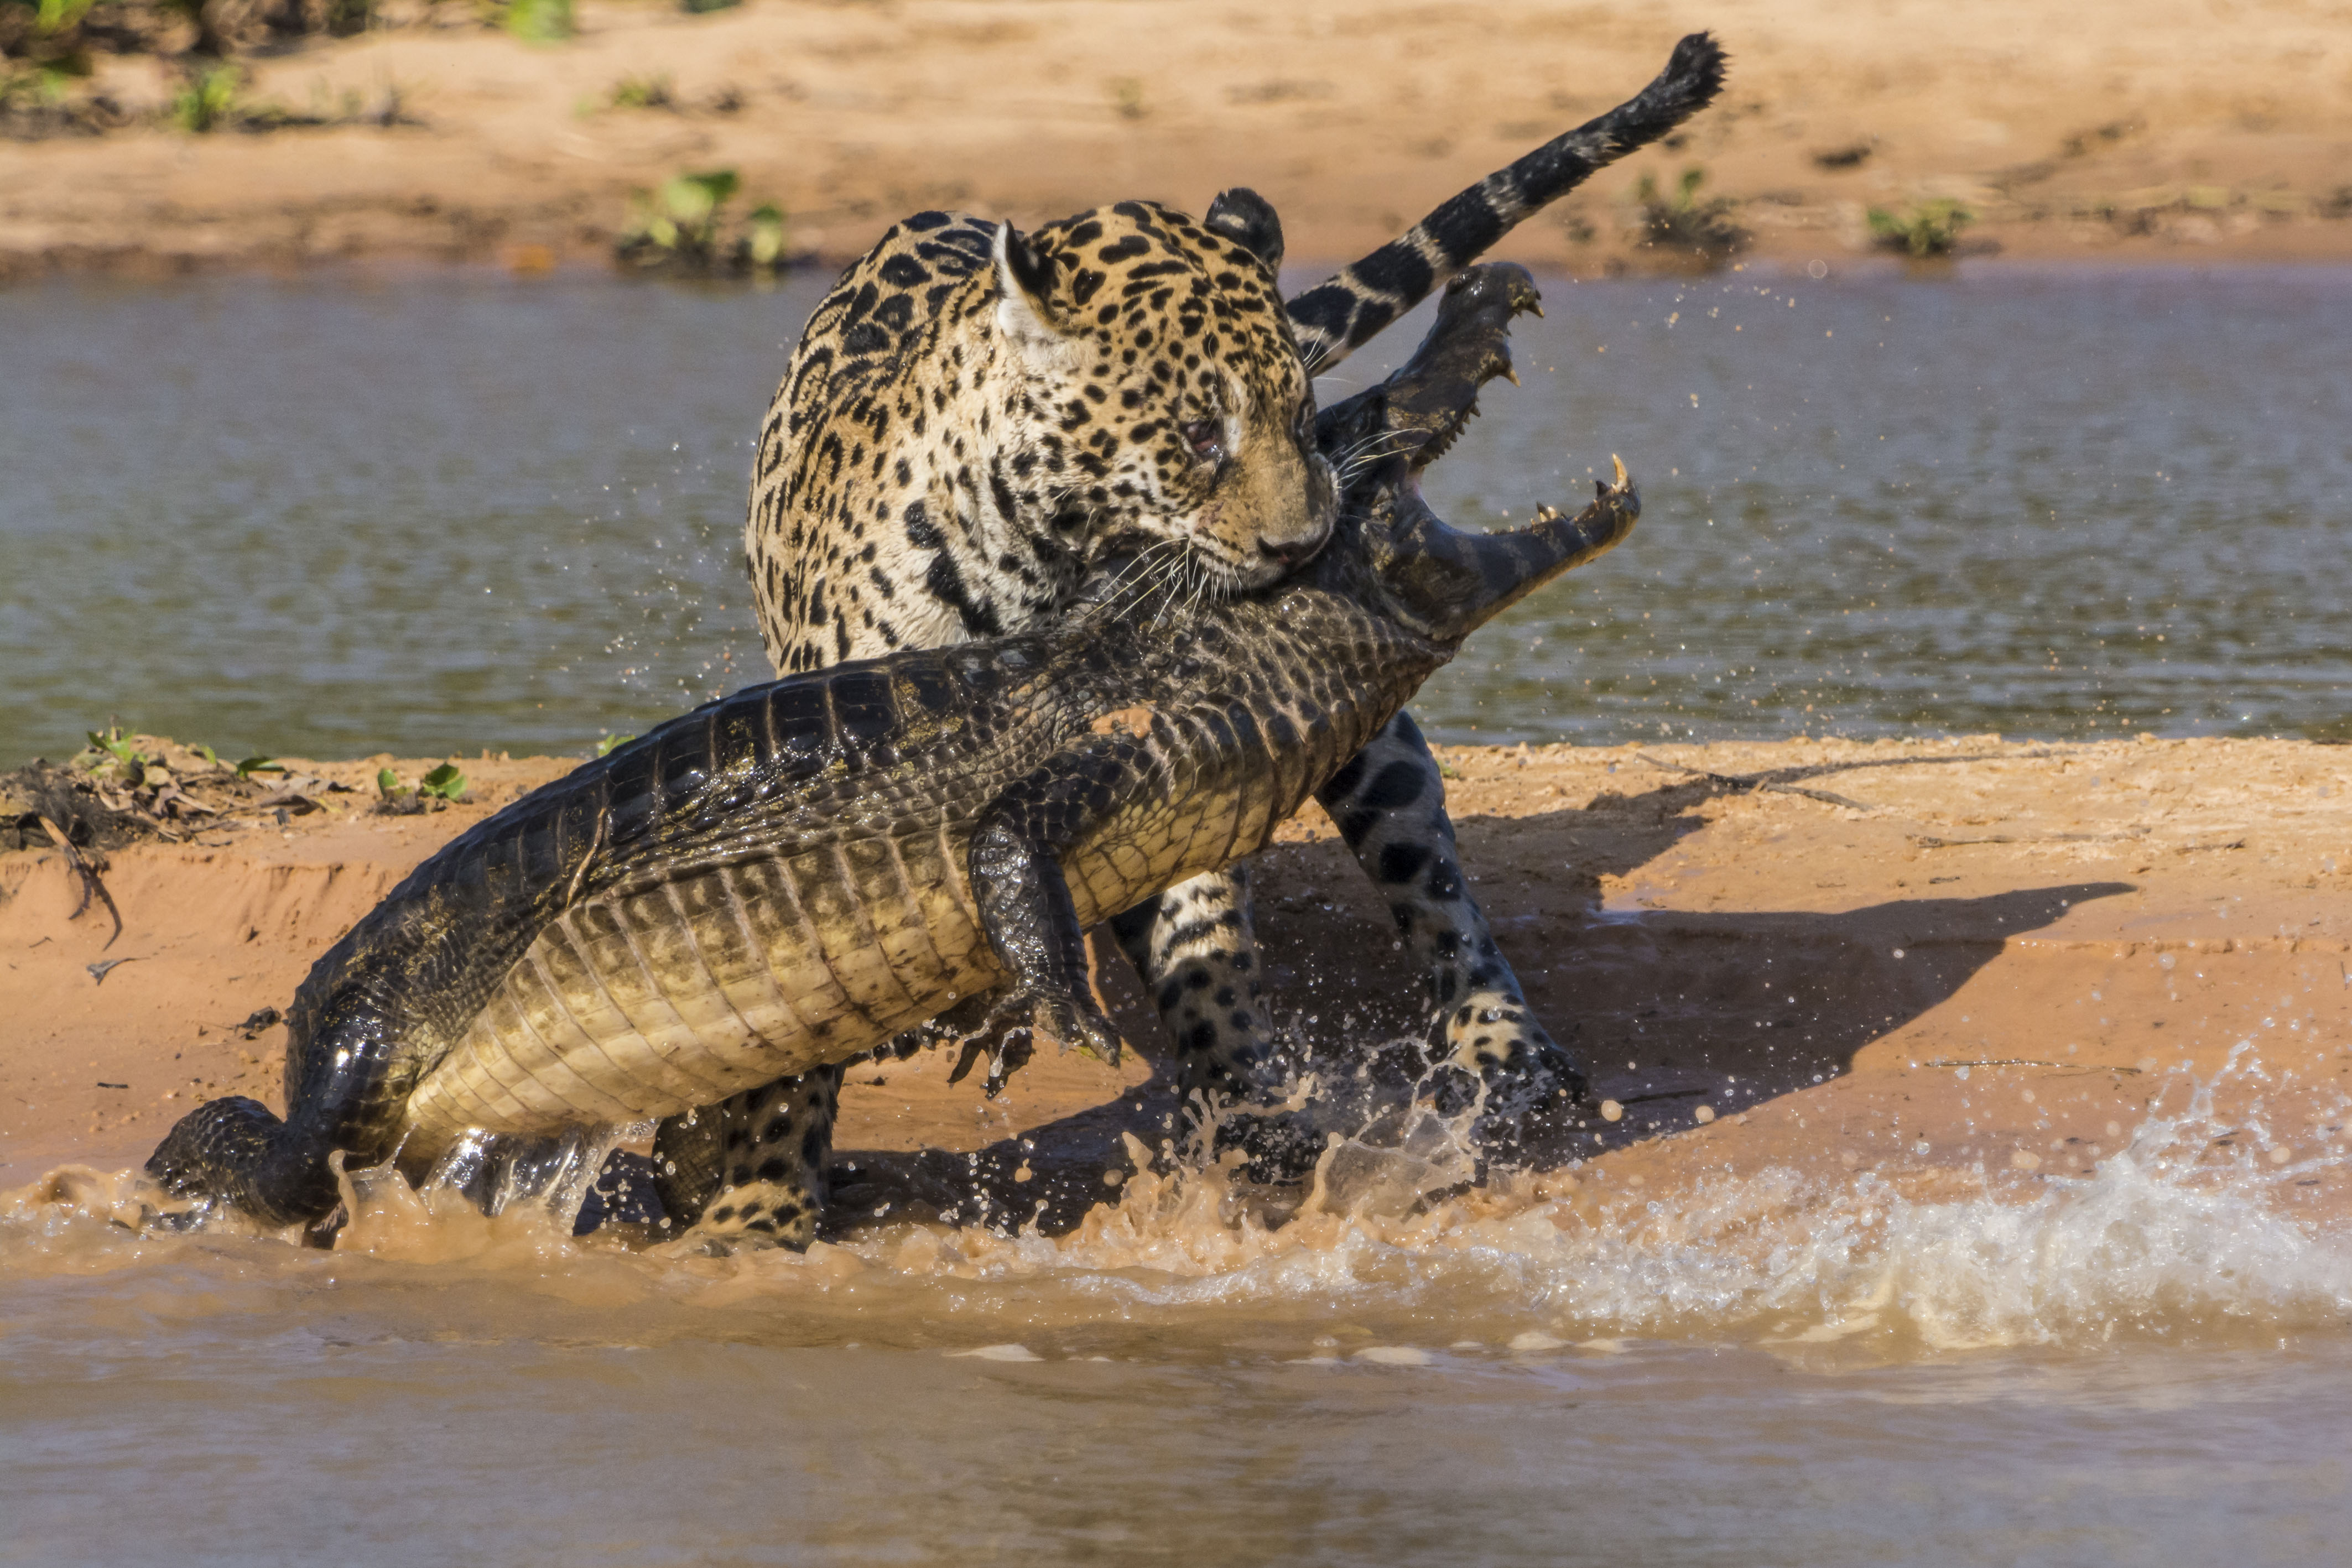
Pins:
x,y
645,1004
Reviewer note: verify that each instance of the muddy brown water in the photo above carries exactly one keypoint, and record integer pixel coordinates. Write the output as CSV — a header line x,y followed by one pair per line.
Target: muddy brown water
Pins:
x,y
440,513
2139,1366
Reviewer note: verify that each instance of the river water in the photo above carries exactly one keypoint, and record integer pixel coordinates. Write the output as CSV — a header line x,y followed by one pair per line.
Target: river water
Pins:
x,y
444,512
433,513
2146,1364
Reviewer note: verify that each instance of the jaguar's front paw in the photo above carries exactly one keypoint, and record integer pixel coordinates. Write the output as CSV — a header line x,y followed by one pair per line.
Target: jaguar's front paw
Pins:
x,y
1524,1072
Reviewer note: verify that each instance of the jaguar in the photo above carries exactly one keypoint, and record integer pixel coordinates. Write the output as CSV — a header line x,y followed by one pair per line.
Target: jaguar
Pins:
x,y
975,417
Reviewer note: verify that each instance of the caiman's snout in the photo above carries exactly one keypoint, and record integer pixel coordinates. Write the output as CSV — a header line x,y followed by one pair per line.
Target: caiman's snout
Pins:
x,y
1443,581
1454,583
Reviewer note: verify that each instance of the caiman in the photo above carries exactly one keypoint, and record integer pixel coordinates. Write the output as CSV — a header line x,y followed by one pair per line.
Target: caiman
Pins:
x,y
793,875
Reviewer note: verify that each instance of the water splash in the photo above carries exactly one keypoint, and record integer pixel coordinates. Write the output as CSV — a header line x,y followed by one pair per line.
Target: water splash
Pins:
x,y
2160,1240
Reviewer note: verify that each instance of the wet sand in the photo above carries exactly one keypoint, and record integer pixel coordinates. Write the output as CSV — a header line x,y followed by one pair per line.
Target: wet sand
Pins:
x,y
2168,130
1964,965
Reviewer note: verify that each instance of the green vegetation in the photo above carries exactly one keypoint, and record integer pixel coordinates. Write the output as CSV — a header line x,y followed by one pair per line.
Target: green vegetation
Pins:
x,y
1126,97
644,92
1924,232
443,782
606,745
763,240
683,226
110,750
1698,229
437,790
208,98
698,8
538,21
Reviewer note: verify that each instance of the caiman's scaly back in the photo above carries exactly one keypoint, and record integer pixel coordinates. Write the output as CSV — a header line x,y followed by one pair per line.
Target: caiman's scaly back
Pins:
x,y
789,876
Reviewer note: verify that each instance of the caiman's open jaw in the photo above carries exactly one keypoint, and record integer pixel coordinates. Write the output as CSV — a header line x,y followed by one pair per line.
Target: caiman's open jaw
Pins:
x,y
1418,412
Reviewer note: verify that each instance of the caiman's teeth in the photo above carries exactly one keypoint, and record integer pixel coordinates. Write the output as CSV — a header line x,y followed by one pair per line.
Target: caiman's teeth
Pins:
x,y
1510,373
1620,464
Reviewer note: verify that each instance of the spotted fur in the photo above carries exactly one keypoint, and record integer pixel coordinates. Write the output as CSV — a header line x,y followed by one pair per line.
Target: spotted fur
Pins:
x,y
975,417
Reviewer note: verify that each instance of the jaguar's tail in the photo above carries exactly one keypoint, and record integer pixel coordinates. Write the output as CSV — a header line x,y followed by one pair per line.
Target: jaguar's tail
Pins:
x,y
1335,317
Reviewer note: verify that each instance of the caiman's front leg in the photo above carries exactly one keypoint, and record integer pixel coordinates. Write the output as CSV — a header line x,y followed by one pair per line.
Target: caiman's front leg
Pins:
x,y
1025,904
1390,804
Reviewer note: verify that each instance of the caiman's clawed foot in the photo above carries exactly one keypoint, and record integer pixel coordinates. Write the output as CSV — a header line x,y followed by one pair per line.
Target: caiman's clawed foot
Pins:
x,y
1021,1016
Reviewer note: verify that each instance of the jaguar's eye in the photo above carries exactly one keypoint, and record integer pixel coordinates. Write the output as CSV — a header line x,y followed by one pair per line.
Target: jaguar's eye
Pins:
x,y
1207,439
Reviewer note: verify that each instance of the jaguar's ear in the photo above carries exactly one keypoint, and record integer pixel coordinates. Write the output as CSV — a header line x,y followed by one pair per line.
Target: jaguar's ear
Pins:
x,y
1249,220
1024,283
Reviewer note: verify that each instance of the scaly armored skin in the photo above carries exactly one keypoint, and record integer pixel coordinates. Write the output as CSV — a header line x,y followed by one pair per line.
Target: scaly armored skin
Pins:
x,y
787,877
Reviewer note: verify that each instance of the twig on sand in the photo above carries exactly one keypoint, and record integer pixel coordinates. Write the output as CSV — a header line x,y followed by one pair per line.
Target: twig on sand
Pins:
x,y
1734,781
2024,1061
89,879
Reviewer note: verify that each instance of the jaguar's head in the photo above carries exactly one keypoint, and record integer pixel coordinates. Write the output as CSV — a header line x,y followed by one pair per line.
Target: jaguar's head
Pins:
x,y
1168,405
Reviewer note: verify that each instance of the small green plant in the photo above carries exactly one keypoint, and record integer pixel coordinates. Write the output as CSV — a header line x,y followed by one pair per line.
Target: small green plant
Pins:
x,y
681,218
539,21
208,99
445,783
51,18
111,750
1126,97
252,766
643,92
442,788
1699,227
682,225
606,745
763,240
699,7
1926,231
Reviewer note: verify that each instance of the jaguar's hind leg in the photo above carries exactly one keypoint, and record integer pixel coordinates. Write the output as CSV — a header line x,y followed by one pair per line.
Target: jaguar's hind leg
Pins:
x,y
1197,954
750,1172
1390,804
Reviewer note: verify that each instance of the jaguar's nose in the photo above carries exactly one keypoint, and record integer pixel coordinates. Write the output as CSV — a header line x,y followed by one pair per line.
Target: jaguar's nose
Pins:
x,y
1291,553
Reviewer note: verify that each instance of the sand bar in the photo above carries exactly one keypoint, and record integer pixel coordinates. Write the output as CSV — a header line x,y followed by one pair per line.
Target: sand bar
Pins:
x,y
1964,964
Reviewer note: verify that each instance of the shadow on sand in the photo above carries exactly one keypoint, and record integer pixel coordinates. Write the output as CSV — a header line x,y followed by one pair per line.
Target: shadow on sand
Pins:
x,y
1669,1009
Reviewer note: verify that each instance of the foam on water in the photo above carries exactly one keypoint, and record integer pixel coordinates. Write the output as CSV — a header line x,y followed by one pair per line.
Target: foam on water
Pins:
x,y
2157,1241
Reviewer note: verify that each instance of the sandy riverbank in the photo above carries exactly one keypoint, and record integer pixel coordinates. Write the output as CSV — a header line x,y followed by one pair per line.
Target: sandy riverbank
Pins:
x,y
1956,963
2157,130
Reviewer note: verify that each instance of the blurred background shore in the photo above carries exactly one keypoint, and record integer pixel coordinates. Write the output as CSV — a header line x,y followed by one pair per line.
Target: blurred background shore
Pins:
x,y
144,138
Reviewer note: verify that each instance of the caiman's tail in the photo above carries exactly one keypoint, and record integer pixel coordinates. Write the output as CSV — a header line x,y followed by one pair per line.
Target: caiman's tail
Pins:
x,y
1336,317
